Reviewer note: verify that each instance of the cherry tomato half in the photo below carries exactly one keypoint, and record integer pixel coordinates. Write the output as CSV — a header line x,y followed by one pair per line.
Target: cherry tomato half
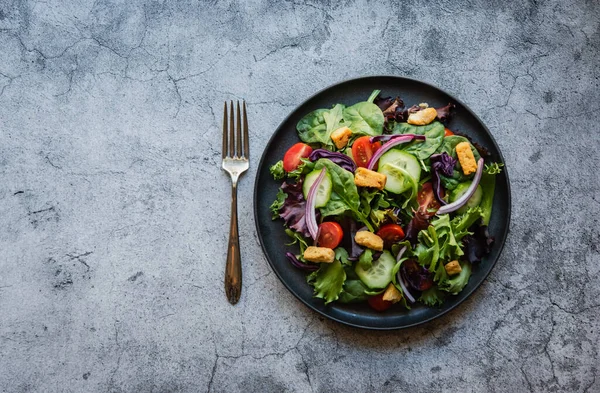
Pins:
x,y
330,234
377,303
292,157
390,233
426,199
447,132
363,150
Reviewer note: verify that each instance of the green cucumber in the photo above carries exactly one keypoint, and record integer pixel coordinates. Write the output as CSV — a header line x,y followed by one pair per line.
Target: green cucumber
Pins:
x,y
474,201
380,273
404,160
398,180
324,190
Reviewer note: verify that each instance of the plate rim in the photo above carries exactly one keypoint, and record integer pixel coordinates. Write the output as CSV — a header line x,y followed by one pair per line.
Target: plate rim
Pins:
x,y
333,318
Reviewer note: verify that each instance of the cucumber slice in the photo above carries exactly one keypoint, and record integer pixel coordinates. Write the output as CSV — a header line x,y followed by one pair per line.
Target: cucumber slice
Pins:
x,y
324,190
404,160
380,274
398,180
474,201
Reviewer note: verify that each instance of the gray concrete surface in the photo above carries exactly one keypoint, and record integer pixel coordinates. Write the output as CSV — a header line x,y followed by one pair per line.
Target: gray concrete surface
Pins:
x,y
114,211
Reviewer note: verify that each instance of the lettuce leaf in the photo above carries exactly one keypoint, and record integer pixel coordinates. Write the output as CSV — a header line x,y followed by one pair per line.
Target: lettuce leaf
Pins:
x,y
277,204
328,281
432,297
456,284
277,170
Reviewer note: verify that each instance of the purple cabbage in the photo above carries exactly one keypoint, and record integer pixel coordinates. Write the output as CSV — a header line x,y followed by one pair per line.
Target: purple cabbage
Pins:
x,y
444,114
479,244
293,211
417,276
340,159
441,164
300,265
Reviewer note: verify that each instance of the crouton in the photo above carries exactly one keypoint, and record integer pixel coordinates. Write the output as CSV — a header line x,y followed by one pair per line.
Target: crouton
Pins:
x,y
453,268
466,158
369,240
392,294
422,117
341,136
319,254
367,178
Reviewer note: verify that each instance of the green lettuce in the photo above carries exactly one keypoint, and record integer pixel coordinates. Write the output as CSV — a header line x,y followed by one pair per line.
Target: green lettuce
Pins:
x,y
456,284
277,170
432,297
328,281
277,204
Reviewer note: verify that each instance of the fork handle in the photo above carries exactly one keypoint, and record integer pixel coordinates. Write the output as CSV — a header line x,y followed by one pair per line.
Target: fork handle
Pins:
x,y
233,267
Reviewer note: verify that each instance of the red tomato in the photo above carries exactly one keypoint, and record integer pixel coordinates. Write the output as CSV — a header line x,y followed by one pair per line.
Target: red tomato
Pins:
x,y
376,302
390,233
292,157
363,150
426,199
330,234
447,132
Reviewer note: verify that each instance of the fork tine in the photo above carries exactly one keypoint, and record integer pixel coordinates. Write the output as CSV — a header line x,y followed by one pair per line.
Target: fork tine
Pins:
x,y
238,129
231,131
246,141
224,130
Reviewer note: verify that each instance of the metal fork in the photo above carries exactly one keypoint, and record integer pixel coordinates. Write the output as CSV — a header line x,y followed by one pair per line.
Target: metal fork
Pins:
x,y
235,163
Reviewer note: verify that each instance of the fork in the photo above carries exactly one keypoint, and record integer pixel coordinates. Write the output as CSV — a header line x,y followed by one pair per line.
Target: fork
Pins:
x,y
235,162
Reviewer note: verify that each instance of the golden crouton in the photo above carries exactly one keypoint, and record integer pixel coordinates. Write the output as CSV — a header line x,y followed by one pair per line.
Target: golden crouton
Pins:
x,y
392,294
453,268
319,254
466,158
341,136
422,117
369,240
367,178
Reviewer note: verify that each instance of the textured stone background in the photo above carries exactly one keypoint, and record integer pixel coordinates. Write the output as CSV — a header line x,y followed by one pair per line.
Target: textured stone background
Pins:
x,y
114,214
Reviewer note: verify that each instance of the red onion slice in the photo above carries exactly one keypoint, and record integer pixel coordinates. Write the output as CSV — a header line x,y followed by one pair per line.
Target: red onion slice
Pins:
x,y
400,280
404,287
388,137
395,141
449,208
311,200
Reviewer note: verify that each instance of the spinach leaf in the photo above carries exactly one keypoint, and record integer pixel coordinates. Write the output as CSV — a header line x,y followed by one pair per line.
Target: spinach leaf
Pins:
x,y
353,291
344,194
317,126
328,281
434,133
364,118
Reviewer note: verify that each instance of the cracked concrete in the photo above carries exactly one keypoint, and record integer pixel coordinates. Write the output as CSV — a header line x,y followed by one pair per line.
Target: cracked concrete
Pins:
x,y
113,220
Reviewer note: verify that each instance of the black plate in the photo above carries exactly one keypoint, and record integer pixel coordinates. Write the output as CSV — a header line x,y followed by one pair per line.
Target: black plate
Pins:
x,y
273,238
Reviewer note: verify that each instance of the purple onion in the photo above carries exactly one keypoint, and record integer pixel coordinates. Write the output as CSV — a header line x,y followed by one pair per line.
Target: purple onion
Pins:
x,y
300,265
311,200
460,202
399,139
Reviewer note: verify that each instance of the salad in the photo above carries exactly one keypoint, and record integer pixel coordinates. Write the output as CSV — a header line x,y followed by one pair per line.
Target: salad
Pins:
x,y
385,203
